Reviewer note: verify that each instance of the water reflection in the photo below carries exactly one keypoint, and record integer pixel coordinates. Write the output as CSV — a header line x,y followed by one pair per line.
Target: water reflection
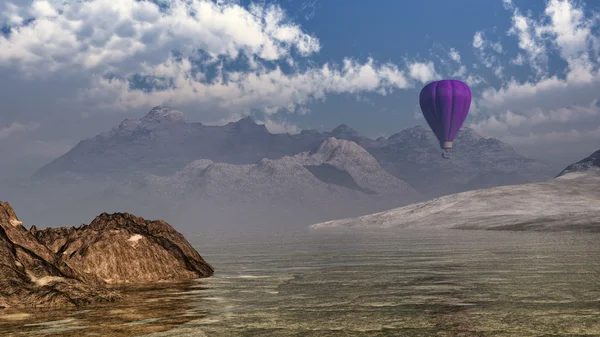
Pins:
x,y
145,309
408,283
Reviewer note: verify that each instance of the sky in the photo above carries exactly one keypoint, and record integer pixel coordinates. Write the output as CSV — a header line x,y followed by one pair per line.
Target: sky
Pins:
x,y
72,69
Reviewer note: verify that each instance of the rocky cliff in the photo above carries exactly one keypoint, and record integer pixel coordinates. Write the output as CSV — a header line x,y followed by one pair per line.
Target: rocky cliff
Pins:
x,y
32,275
72,266
124,248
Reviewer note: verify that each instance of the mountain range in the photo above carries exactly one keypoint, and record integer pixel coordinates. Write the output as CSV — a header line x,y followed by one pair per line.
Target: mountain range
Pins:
x,y
163,143
335,179
200,175
570,201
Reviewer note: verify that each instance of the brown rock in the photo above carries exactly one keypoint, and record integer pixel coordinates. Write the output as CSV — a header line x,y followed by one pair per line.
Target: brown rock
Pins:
x,y
32,275
123,248
71,266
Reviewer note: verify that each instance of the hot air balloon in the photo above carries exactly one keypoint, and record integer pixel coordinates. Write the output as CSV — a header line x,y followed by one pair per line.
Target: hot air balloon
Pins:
x,y
445,105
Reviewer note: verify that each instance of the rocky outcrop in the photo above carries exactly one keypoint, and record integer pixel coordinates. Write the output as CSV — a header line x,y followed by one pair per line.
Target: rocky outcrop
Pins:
x,y
124,248
32,275
72,266
589,164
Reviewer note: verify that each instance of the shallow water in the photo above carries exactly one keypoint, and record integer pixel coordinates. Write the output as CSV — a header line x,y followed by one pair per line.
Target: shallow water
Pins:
x,y
407,283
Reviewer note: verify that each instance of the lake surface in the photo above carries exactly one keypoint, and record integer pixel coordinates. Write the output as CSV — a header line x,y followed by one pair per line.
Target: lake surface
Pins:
x,y
403,283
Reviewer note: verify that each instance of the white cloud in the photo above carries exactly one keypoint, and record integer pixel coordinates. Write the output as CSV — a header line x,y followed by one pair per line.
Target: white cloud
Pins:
x,y
107,35
529,37
571,29
519,60
545,109
497,47
489,59
280,127
538,116
454,55
109,42
11,14
478,40
451,61
266,89
423,72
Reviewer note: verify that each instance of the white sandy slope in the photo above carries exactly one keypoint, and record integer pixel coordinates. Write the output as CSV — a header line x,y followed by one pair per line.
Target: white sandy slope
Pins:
x,y
568,202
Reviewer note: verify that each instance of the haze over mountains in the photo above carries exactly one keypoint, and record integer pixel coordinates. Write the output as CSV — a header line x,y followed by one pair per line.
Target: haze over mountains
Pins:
x,y
164,167
570,201
335,179
163,143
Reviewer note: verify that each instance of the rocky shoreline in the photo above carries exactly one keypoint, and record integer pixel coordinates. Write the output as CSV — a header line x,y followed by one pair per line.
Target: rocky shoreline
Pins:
x,y
73,266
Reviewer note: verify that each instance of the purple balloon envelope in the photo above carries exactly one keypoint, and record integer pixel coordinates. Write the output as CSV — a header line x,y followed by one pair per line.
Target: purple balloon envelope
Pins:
x,y
445,105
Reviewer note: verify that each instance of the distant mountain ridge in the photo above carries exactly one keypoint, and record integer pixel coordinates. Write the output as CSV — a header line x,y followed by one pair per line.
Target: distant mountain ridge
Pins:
x,y
163,143
336,178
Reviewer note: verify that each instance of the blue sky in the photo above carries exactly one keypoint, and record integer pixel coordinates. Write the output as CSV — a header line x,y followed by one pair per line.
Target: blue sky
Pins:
x,y
70,70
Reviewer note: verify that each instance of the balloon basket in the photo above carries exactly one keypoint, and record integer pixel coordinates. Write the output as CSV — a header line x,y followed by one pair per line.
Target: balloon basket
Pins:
x,y
447,153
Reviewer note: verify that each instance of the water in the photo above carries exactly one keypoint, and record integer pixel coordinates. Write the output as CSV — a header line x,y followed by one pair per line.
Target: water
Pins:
x,y
407,283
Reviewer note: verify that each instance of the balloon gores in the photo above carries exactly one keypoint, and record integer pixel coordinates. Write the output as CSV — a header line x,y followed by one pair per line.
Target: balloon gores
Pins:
x,y
445,105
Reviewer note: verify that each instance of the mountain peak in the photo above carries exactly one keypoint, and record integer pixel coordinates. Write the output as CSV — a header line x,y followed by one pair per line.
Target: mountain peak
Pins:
x,y
310,132
592,162
8,216
468,133
344,129
416,132
332,142
246,120
420,132
331,146
248,124
156,119
162,114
